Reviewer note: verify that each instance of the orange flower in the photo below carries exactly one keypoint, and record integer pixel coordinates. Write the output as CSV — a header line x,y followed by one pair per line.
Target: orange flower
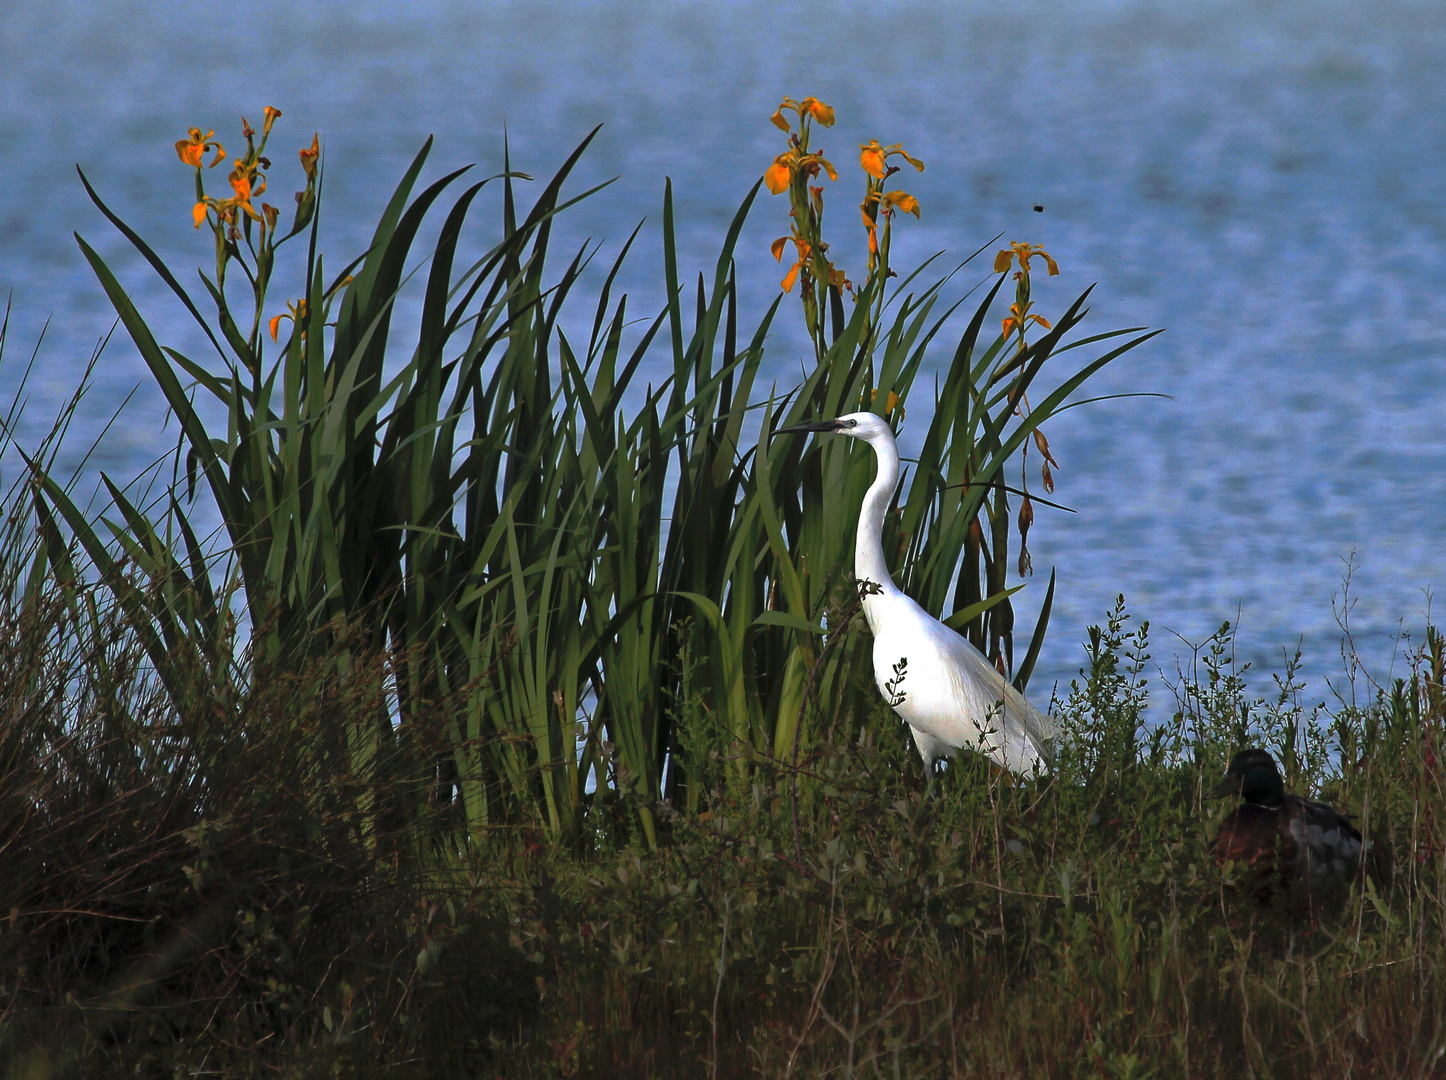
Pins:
x,y
817,109
890,403
241,183
271,116
836,277
1014,319
807,108
900,200
246,182
873,158
309,156
198,212
777,177
1023,252
813,162
192,150
871,226
801,247
786,166
295,312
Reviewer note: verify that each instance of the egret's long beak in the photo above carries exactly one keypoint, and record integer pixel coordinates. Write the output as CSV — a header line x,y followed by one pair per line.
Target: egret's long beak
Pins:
x,y
816,427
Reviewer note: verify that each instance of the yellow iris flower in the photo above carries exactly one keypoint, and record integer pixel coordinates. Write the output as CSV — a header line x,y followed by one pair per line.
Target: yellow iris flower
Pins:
x,y
1023,252
786,166
836,277
247,183
295,312
309,156
890,403
873,158
1014,318
778,175
801,247
889,201
900,200
808,108
192,150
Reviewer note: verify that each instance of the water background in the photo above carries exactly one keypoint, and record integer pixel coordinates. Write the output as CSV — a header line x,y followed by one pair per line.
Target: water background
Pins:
x,y
1265,180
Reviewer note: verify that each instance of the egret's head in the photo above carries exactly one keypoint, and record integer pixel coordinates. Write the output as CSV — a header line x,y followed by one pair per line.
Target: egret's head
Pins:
x,y
859,425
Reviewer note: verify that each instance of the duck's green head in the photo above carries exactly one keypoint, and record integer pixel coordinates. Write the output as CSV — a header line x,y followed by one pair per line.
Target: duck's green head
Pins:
x,y
1254,777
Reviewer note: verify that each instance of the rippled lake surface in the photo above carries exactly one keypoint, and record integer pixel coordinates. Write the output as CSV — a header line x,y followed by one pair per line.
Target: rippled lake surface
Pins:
x,y
1265,180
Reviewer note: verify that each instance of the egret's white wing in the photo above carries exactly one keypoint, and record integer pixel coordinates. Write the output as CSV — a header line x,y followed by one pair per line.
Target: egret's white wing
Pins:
x,y
950,692
1018,721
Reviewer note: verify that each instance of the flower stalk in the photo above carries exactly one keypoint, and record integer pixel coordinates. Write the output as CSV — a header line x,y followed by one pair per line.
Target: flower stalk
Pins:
x,y
247,232
877,211
792,172
820,281
1014,326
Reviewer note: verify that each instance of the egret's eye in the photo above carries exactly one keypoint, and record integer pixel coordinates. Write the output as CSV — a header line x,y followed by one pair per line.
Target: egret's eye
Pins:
x,y
852,423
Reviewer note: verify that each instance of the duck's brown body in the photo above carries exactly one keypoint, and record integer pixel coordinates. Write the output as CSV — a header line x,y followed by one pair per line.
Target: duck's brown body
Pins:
x,y
1300,854
1303,854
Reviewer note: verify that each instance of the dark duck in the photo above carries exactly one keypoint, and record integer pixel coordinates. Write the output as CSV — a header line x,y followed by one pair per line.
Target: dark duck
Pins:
x,y
1298,854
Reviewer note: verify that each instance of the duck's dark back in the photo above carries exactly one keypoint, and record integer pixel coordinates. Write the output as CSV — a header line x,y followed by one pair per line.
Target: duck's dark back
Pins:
x,y
1304,854
1328,852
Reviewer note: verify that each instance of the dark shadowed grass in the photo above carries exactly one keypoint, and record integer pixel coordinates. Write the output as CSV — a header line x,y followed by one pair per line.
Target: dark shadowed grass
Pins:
x,y
1064,925
1070,926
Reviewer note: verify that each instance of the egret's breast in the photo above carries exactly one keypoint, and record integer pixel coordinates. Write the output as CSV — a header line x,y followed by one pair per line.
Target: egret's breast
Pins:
x,y
902,645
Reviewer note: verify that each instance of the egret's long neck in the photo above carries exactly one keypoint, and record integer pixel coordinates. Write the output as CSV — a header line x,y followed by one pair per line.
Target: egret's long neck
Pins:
x,y
869,561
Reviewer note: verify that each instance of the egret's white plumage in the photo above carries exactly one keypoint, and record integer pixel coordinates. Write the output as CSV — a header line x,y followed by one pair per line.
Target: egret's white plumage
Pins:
x,y
946,691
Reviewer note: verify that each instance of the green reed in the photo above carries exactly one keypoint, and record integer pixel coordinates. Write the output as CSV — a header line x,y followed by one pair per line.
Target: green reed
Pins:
x,y
537,536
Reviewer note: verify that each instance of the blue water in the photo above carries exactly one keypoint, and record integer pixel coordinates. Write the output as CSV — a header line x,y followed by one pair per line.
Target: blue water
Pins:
x,y
1266,180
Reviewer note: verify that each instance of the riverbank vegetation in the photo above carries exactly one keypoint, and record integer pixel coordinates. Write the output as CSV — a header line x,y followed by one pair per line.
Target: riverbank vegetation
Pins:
x,y
518,720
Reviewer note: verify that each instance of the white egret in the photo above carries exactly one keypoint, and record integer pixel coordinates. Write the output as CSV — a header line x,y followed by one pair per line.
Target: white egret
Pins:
x,y
944,688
